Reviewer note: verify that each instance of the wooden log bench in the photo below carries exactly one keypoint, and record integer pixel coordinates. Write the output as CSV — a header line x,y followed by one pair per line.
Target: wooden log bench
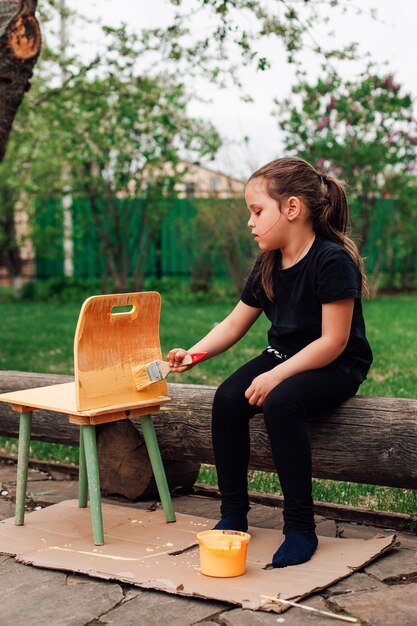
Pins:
x,y
366,440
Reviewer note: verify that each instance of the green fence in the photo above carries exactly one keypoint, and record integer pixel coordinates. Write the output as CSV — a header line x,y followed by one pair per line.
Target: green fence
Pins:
x,y
172,252
49,239
390,245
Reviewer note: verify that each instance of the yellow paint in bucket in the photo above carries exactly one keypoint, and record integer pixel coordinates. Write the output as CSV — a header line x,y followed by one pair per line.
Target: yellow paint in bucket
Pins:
x,y
223,552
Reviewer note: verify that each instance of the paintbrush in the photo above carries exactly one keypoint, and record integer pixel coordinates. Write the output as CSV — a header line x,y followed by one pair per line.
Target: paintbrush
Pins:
x,y
343,618
145,375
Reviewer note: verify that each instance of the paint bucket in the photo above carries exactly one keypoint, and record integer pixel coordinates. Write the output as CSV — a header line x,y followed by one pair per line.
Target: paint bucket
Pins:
x,y
223,552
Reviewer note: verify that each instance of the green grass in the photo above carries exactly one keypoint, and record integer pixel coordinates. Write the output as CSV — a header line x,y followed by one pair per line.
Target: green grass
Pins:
x,y
38,337
46,451
367,496
392,332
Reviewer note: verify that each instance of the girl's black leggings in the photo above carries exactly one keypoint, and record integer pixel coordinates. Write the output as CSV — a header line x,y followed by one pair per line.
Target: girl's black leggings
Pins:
x,y
287,407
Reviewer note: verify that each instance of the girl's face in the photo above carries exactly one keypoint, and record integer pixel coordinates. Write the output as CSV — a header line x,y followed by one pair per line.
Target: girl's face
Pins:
x,y
267,222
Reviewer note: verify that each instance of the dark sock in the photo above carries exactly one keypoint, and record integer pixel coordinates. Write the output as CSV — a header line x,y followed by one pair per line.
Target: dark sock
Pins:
x,y
298,547
232,522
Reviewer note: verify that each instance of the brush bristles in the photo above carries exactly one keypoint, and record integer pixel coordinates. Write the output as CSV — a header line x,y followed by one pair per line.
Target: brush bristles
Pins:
x,y
141,377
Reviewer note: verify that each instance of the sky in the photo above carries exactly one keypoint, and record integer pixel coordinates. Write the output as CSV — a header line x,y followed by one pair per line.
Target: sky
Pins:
x,y
389,39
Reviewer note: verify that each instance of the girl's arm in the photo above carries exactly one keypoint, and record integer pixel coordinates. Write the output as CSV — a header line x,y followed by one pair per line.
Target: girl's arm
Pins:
x,y
220,338
335,330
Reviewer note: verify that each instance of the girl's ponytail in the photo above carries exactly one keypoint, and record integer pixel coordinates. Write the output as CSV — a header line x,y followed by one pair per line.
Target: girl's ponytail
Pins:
x,y
334,216
333,221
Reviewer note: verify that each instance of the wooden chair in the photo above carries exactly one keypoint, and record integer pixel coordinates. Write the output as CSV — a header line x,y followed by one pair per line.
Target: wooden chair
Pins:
x,y
114,334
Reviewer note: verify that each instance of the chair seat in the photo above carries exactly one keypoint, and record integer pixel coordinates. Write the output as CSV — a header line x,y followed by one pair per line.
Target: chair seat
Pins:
x,y
62,399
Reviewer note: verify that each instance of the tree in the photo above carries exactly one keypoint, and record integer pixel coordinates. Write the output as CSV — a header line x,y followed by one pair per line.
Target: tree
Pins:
x,y
206,53
220,227
363,130
20,43
234,29
9,248
189,54
119,136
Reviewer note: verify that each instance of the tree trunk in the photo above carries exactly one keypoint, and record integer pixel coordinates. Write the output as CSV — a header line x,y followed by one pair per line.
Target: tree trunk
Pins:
x,y
9,249
365,440
143,245
125,468
20,44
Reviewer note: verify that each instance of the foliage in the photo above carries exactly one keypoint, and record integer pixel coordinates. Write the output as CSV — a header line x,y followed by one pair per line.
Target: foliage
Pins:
x,y
363,130
61,289
109,134
220,228
18,179
236,29
90,125
65,289
397,243
9,251
229,26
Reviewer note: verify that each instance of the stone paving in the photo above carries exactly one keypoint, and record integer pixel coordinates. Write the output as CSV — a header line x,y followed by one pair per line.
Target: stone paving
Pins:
x,y
383,593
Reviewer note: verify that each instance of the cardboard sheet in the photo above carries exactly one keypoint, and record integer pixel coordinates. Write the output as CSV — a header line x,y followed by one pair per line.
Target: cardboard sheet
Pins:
x,y
143,550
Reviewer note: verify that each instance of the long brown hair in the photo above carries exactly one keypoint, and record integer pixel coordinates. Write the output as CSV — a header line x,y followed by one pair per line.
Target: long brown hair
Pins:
x,y
324,197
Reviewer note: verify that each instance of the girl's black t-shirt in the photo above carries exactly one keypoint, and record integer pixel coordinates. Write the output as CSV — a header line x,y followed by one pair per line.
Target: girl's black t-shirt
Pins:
x,y
326,274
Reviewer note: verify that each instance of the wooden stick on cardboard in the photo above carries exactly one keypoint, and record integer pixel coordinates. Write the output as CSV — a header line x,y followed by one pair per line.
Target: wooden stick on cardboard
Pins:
x,y
343,618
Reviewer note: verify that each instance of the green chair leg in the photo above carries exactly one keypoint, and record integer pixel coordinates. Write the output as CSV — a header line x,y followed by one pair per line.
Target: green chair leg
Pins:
x,y
22,466
157,466
90,446
82,475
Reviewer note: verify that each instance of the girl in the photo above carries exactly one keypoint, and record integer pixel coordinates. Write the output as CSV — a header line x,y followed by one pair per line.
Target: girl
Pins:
x,y
308,280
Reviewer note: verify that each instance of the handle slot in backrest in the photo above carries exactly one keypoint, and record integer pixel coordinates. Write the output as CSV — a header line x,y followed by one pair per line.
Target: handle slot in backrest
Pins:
x,y
123,309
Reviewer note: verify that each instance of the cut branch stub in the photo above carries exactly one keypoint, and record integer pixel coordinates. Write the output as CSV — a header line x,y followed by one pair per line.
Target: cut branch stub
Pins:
x,y
24,37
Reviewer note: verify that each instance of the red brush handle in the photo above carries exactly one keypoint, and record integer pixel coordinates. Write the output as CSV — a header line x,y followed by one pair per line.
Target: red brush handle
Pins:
x,y
197,356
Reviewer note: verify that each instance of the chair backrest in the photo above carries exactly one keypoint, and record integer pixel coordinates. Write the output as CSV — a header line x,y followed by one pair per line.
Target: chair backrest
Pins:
x,y
109,341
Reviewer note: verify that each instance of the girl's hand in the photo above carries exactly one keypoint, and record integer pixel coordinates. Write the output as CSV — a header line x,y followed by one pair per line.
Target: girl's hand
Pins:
x,y
175,358
261,386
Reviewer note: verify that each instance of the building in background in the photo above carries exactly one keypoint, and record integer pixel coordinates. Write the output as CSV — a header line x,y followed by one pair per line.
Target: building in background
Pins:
x,y
202,182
